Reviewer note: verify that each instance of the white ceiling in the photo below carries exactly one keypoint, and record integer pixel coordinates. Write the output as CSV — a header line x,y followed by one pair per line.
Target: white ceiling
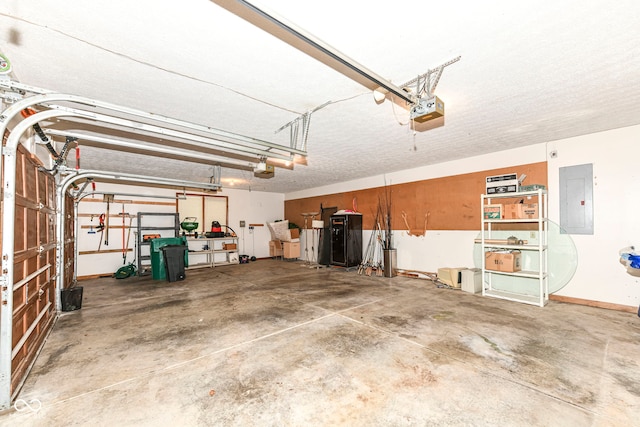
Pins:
x,y
530,72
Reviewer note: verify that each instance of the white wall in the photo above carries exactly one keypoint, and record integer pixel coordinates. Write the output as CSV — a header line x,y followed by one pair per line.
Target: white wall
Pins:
x,y
615,157
254,207
599,275
251,206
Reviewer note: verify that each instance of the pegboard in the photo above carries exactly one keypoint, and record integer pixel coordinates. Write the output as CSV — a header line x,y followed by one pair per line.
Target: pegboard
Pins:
x,y
448,203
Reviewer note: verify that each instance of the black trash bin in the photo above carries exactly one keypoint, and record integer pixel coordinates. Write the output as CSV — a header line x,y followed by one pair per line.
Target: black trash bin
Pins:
x,y
174,261
71,298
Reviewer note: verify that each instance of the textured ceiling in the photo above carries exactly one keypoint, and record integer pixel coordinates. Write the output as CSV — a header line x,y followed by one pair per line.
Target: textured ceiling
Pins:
x,y
530,72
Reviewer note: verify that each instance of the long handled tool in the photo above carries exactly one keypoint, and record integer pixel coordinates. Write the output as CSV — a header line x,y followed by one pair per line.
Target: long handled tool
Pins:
x,y
100,228
108,198
129,235
366,266
124,250
125,244
125,247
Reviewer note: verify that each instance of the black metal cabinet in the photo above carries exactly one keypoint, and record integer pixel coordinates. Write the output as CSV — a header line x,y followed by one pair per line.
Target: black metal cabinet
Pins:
x,y
346,240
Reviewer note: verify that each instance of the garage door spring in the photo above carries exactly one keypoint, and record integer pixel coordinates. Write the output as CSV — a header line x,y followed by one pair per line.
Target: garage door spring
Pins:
x,y
36,127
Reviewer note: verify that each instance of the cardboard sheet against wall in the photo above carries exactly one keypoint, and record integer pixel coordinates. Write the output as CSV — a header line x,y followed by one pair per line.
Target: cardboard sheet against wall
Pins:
x,y
447,203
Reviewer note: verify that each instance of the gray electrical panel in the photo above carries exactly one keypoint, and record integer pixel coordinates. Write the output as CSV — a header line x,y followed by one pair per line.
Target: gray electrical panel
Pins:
x,y
576,199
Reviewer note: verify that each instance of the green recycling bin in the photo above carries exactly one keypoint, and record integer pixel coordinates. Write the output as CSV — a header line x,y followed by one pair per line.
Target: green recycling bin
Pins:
x,y
158,269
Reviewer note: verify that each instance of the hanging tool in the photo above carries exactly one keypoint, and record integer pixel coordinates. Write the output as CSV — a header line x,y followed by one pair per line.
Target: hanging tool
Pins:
x,y
77,156
91,230
124,250
125,247
416,232
108,198
129,237
100,229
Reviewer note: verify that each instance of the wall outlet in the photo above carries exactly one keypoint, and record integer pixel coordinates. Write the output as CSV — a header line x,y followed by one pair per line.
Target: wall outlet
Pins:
x,y
242,224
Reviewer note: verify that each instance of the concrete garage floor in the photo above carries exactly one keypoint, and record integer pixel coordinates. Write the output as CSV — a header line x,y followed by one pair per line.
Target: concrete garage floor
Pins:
x,y
276,343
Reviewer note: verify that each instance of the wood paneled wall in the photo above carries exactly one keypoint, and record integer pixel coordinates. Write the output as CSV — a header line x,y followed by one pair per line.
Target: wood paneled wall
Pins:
x,y
449,203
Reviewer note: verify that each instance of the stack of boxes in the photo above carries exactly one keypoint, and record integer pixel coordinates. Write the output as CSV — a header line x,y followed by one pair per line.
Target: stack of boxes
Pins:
x,y
284,242
507,260
467,279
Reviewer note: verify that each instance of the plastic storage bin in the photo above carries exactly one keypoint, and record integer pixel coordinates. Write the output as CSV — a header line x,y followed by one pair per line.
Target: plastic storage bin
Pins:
x,y
71,298
174,261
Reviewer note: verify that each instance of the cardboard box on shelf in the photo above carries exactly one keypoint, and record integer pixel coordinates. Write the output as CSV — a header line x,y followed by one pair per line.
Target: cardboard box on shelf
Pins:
x,y
492,211
229,246
500,184
520,211
505,261
529,210
510,211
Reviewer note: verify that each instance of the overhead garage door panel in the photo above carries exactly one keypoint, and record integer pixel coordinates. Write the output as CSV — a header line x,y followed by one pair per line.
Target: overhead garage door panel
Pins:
x,y
34,263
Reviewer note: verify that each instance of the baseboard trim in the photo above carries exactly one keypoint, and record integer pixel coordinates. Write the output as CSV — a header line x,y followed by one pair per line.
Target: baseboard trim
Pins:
x,y
94,276
591,303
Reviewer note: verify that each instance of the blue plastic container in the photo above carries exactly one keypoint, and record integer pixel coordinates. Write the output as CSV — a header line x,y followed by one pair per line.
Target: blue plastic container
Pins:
x,y
635,261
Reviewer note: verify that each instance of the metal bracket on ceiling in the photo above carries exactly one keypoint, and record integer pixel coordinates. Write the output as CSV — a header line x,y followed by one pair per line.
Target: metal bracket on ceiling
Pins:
x,y
425,84
299,129
216,176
